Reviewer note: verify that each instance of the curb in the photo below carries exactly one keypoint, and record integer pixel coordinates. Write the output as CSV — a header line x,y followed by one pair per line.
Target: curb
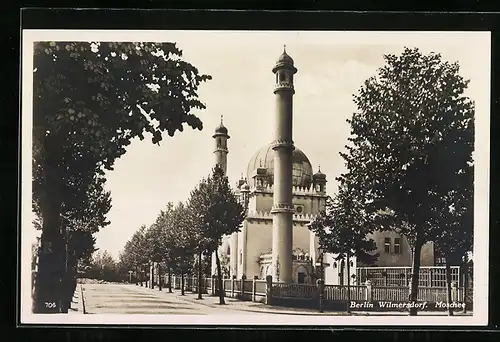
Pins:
x,y
187,298
241,308
81,301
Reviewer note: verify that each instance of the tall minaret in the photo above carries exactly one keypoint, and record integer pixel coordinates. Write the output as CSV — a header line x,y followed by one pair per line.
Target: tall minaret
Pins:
x,y
220,153
221,150
283,149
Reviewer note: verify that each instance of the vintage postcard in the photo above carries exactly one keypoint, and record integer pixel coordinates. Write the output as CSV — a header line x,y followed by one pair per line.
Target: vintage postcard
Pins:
x,y
255,177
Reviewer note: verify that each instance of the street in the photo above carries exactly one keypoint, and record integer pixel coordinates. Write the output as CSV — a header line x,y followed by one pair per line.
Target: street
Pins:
x,y
113,298
131,299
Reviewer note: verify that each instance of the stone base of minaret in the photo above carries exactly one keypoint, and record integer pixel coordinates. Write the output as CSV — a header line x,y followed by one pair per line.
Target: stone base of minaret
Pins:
x,y
282,245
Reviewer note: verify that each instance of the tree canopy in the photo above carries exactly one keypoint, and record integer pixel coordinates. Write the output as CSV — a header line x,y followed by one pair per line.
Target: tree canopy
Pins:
x,y
412,139
216,210
90,100
342,229
410,152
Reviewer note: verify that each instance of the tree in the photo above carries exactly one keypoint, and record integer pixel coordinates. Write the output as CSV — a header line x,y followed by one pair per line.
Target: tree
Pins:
x,y
90,100
103,267
342,229
82,215
167,240
455,236
218,213
198,206
184,239
412,140
154,248
137,247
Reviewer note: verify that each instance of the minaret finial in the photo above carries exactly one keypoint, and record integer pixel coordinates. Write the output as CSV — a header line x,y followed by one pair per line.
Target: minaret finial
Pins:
x,y
284,48
319,168
221,118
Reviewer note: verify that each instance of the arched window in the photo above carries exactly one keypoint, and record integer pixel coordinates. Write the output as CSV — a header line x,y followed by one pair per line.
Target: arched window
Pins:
x,y
301,275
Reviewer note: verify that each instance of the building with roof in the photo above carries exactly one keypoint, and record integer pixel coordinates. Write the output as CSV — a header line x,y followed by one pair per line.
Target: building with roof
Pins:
x,y
283,194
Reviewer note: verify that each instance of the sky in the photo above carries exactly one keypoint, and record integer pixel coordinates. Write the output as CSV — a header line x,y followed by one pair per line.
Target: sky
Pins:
x,y
331,68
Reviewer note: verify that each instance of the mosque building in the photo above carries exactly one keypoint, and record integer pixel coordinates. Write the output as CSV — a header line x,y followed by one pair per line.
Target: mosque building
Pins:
x,y
283,194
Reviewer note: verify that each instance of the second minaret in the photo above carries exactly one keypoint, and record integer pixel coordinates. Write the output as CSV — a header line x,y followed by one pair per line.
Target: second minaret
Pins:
x,y
283,147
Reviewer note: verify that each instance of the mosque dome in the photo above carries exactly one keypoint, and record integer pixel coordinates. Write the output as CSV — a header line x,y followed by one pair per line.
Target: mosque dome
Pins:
x,y
302,171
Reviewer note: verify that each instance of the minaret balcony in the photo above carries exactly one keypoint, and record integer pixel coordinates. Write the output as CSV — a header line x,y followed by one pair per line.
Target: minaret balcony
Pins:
x,y
282,143
288,86
282,208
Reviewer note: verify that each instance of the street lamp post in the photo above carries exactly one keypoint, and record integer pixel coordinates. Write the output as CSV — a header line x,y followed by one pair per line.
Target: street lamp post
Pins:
x,y
130,276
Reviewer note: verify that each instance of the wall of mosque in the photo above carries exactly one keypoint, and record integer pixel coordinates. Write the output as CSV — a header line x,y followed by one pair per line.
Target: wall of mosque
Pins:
x,y
259,241
312,204
263,202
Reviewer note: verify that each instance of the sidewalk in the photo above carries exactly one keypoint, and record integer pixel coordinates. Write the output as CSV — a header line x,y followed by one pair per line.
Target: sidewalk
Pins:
x,y
256,307
77,302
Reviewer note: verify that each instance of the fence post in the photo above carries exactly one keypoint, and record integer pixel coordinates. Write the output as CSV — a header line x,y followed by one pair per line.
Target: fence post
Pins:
x,y
321,289
233,280
254,287
269,289
369,291
409,291
454,291
242,289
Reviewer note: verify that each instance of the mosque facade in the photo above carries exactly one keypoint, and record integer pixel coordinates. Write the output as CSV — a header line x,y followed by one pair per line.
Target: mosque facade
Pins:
x,y
283,194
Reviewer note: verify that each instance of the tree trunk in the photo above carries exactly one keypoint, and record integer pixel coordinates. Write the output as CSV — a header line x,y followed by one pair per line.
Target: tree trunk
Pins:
x,y
151,267
219,279
348,283
415,271
465,269
448,287
182,282
159,277
169,279
51,264
199,275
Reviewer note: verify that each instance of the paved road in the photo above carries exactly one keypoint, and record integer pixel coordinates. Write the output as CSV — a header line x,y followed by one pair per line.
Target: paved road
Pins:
x,y
132,299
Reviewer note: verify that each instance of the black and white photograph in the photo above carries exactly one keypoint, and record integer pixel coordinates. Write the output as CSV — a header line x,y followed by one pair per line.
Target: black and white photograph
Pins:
x,y
255,177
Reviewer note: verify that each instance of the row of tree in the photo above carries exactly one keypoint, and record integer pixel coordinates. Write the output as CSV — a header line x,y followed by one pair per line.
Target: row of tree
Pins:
x,y
90,100
185,235
103,267
409,165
